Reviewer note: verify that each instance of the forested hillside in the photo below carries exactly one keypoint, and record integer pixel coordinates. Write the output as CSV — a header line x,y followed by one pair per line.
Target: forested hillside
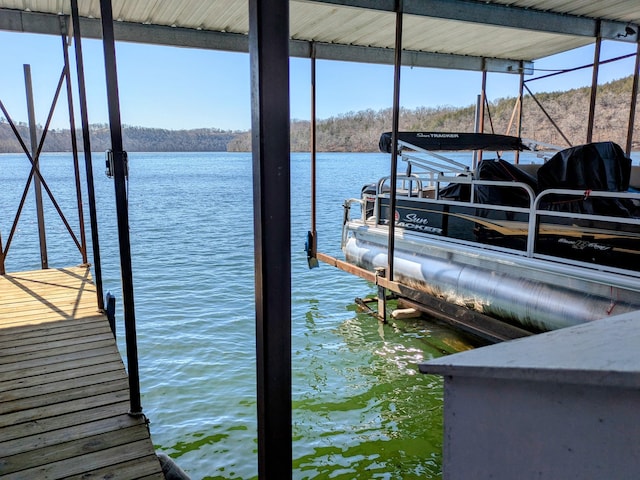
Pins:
x,y
135,139
360,131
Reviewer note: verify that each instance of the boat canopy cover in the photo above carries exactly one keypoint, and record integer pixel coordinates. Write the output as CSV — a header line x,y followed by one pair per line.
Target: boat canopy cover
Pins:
x,y
594,166
453,141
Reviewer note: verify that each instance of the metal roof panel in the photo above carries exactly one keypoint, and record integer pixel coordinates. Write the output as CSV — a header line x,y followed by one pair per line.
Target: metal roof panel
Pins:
x,y
458,28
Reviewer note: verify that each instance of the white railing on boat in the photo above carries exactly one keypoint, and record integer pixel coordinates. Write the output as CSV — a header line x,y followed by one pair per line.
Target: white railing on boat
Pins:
x,y
534,212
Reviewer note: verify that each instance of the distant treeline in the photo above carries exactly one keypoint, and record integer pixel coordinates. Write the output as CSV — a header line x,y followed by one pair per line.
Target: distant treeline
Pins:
x,y
135,139
360,131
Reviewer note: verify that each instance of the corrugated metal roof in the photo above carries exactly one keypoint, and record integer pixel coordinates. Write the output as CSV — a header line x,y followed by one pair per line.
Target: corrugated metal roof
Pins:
x,y
445,33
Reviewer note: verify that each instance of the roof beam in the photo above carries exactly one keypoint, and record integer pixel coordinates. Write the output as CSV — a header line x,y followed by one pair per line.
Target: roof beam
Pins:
x,y
410,58
500,15
44,23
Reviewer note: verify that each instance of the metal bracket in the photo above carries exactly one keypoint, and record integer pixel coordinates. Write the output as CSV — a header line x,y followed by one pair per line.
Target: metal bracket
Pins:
x,y
109,163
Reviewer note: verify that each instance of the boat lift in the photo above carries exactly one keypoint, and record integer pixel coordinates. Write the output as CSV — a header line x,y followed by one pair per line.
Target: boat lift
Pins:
x,y
476,323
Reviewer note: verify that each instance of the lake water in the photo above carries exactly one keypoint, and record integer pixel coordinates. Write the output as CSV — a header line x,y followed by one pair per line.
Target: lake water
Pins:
x,y
361,410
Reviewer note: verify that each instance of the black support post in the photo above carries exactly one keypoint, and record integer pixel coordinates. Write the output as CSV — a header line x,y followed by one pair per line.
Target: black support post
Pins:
x,y
269,60
520,108
481,112
312,240
84,118
122,209
594,87
74,142
394,141
634,100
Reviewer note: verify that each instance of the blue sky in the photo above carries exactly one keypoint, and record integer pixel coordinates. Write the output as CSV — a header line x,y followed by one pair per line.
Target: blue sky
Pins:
x,y
177,88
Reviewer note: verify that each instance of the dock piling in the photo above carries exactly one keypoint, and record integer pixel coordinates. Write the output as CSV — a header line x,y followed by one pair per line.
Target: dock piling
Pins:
x,y
382,296
35,154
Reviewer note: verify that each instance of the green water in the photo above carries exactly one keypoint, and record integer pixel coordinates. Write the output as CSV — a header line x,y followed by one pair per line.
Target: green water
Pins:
x,y
361,409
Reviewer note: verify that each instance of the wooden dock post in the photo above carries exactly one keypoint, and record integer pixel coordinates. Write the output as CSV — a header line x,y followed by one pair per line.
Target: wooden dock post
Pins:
x,y
382,296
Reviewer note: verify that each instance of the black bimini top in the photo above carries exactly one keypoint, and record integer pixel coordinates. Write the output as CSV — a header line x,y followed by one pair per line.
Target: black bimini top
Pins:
x,y
453,141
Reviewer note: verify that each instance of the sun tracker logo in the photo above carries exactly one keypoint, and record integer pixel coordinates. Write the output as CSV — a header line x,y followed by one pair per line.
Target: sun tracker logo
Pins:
x,y
437,135
416,222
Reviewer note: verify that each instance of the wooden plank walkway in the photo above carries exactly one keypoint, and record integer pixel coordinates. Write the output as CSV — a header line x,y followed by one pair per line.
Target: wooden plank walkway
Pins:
x,y
64,393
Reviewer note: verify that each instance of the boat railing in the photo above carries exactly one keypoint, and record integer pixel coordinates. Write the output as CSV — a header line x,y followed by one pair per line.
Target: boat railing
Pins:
x,y
406,185
587,194
507,184
347,215
434,165
490,183
537,212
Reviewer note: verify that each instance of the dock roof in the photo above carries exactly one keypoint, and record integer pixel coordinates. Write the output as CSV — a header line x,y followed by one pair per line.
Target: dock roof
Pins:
x,y
493,35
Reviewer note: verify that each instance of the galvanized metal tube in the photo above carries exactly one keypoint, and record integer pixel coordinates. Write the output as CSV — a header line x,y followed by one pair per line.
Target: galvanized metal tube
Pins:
x,y
122,208
270,125
91,195
489,283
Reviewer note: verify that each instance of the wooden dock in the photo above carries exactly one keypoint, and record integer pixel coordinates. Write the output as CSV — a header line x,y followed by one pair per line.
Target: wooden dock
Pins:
x,y
64,396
